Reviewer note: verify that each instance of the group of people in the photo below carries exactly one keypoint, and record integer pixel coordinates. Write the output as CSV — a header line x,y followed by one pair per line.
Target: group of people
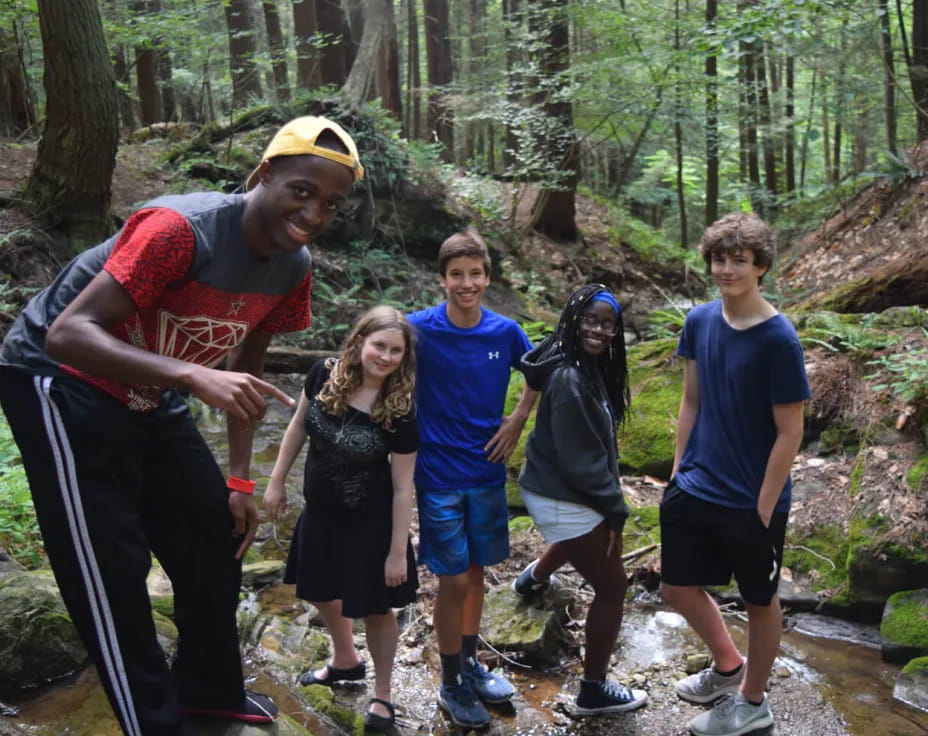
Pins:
x,y
92,380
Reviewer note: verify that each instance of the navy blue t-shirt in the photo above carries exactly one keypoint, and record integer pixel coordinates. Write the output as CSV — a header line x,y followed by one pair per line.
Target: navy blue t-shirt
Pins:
x,y
462,375
742,374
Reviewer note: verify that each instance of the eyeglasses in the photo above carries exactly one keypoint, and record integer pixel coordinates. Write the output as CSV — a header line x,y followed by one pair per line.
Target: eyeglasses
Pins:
x,y
607,326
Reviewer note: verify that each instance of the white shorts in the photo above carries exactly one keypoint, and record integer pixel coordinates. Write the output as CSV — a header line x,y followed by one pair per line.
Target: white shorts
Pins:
x,y
560,520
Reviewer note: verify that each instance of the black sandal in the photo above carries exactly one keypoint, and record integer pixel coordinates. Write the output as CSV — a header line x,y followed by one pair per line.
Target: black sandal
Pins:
x,y
377,722
334,674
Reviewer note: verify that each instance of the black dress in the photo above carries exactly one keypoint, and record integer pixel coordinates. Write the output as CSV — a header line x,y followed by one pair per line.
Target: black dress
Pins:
x,y
343,535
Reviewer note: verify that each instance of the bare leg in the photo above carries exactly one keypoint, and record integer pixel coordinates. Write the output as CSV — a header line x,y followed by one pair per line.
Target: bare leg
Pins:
x,y
765,626
553,559
704,616
473,601
344,655
447,615
382,634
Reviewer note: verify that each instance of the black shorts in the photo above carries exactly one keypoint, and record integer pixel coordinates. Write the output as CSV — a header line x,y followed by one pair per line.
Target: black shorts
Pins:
x,y
705,544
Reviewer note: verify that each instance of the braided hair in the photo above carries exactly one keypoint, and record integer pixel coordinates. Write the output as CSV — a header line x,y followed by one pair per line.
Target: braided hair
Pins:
x,y
611,365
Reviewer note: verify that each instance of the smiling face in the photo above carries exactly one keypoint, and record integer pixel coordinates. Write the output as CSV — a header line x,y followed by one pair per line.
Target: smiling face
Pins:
x,y
382,353
597,327
735,272
464,281
295,202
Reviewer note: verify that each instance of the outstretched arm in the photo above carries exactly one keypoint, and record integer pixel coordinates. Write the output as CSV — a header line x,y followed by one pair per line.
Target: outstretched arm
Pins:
x,y
502,443
275,497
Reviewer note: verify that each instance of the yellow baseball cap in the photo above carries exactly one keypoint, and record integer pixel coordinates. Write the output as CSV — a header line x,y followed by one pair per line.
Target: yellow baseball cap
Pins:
x,y
298,138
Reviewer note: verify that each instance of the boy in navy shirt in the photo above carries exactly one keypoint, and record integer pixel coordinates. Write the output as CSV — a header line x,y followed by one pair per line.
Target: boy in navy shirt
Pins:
x,y
465,354
725,509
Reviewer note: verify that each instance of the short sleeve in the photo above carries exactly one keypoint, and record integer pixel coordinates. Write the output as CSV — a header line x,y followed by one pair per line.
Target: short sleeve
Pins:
x,y
294,312
788,381
315,379
404,437
519,346
155,249
685,345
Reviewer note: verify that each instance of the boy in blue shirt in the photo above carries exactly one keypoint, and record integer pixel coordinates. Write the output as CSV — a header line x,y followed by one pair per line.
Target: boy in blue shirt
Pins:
x,y
465,354
725,509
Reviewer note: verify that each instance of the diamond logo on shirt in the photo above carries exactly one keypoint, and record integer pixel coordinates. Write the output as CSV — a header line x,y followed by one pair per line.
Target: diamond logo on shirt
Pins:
x,y
198,339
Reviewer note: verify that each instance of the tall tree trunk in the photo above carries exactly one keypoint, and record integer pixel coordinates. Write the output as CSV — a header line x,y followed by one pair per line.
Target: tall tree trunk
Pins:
x,y
889,76
438,63
304,29
790,123
805,138
388,77
512,32
414,75
826,141
678,131
69,186
712,121
476,11
275,42
356,23
749,121
331,22
17,112
243,47
766,122
554,210
124,97
362,81
146,68
918,71
166,82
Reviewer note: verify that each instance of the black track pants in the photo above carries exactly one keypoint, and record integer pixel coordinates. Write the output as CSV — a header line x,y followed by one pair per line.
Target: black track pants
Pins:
x,y
111,487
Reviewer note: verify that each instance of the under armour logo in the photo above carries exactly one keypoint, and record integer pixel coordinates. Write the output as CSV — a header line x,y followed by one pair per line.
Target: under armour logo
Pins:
x,y
491,355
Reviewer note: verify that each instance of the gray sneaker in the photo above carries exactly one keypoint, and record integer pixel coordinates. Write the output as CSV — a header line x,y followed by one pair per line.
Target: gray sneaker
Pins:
x,y
708,685
732,717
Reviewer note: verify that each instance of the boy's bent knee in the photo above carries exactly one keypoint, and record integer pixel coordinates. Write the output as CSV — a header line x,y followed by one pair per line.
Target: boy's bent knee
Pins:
x,y
675,595
454,587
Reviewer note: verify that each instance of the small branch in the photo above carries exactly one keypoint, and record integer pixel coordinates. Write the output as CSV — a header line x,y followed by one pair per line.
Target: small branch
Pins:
x,y
812,552
639,552
501,655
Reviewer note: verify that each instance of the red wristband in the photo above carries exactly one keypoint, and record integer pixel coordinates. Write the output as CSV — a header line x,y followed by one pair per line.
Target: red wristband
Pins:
x,y
241,485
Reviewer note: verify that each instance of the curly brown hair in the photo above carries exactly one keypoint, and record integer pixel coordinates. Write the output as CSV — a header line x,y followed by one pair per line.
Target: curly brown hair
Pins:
x,y
395,398
736,232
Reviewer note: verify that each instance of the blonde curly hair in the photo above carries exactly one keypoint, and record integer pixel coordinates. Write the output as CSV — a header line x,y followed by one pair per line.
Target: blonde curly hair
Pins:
x,y
395,398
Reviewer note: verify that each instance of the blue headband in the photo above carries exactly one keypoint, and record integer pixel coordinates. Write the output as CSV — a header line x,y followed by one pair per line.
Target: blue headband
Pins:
x,y
605,296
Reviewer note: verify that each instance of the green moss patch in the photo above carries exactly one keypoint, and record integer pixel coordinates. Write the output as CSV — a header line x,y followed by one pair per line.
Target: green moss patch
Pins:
x,y
916,666
819,555
322,700
641,528
906,620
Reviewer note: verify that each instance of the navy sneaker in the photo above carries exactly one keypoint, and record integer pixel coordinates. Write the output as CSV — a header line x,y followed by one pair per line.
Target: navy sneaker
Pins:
x,y
463,706
603,696
488,687
525,585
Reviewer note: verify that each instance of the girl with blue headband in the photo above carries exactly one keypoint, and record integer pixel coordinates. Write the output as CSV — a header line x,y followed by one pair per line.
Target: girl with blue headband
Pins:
x,y
570,482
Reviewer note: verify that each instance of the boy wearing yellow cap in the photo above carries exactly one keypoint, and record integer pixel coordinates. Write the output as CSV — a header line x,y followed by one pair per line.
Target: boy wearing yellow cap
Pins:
x,y
90,380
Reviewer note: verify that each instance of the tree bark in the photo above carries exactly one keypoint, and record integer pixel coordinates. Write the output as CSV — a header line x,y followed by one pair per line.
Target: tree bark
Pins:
x,y
413,76
512,33
146,68
17,111
790,124
331,22
554,210
678,133
362,80
275,42
889,76
438,63
166,83
918,71
304,29
69,186
748,121
766,123
246,77
712,122
388,77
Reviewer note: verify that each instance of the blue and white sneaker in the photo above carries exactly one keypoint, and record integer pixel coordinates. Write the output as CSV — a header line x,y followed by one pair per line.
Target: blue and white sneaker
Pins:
x,y
525,585
462,705
490,688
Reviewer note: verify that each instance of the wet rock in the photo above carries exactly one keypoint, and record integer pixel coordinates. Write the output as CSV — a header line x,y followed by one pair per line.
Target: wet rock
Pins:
x,y
283,726
513,623
38,642
322,701
876,571
904,628
911,685
697,663
260,574
8,565
283,648
166,632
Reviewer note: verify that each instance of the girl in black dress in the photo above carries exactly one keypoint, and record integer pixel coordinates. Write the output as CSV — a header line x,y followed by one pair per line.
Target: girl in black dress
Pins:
x,y
351,556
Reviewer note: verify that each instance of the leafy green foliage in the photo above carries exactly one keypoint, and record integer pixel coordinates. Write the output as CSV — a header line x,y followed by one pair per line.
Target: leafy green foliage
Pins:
x,y
666,322
904,374
19,531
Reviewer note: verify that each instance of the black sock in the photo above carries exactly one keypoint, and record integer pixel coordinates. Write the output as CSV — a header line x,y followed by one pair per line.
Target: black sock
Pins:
x,y
731,672
451,669
469,648
753,703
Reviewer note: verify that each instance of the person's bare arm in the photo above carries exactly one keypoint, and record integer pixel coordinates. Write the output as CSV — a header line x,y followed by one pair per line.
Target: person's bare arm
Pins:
x,y
502,443
401,469
788,421
80,337
275,496
689,409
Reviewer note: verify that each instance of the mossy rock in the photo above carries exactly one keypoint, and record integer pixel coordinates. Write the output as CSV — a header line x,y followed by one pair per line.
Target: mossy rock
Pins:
x,y
647,437
901,317
643,527
322,700
38,641
904,627
837,438
261,573
916,475
914,666
512,623
517,458
911,686
818,556
163,605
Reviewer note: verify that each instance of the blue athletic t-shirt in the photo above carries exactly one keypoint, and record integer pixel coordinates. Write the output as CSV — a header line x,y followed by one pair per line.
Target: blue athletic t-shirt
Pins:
x,y
742,374
461,379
